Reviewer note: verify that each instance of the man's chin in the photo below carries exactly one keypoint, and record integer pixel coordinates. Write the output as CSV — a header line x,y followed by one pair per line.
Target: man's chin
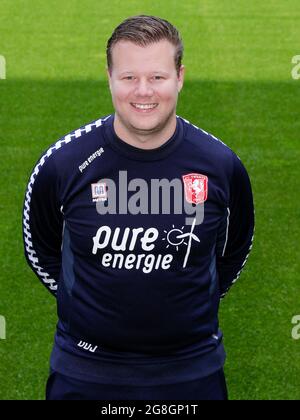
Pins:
x,y
145,127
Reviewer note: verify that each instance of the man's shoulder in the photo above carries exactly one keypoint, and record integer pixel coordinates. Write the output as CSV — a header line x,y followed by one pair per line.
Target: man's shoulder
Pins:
x,y
74,141
202,138
206,143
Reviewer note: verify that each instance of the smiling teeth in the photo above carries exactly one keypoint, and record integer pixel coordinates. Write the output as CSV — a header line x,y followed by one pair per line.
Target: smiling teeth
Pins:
x,y
146,106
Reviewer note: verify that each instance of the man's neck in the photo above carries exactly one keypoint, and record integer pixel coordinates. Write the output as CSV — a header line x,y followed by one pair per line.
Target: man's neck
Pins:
x,y
146,141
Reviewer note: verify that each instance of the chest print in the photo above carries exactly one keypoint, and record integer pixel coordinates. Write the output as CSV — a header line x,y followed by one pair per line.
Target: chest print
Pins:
x,y
146,239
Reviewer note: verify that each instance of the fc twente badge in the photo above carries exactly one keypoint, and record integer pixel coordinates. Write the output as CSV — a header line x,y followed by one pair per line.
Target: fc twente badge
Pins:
x,y
195,188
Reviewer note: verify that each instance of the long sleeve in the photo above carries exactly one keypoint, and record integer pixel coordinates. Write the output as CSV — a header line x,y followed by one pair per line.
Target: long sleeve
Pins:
x,y
236,232
43,223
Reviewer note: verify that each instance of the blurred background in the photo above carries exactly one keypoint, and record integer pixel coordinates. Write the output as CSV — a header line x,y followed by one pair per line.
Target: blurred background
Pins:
x,y
240,85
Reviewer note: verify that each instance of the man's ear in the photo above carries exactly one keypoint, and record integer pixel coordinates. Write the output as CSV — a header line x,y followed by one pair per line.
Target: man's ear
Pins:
x,y
108,76
181,77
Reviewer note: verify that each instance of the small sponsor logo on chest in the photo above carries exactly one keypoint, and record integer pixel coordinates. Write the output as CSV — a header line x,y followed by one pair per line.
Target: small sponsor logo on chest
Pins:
x,y
99,192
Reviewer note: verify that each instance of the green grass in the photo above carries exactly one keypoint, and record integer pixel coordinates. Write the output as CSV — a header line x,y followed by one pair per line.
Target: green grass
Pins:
x,y
238,86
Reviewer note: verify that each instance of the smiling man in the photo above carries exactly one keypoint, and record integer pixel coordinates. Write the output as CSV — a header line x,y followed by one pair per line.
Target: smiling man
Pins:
x,y
144,84
139,223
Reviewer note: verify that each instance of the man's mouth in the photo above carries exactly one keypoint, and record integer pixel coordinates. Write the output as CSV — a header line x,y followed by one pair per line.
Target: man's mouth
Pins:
x,y
144,107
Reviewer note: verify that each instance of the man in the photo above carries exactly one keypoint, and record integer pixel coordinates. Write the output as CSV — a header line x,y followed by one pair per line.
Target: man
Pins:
x,y
138,223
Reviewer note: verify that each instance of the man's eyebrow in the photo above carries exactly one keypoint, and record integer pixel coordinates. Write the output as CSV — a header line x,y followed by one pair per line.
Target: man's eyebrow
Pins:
x,y
150,72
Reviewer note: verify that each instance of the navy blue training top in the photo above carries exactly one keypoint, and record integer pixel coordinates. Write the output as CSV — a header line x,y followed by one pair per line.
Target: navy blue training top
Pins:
x,y
138,246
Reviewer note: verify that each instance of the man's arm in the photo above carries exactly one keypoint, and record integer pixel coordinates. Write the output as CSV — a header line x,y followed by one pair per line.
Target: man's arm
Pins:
x,y
236,232
43,223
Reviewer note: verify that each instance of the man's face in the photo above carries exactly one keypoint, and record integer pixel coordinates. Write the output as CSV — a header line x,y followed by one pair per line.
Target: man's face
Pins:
x,y
144,75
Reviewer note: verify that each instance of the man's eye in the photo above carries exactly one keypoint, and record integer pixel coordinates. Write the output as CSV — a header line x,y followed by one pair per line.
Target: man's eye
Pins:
x,y
132,77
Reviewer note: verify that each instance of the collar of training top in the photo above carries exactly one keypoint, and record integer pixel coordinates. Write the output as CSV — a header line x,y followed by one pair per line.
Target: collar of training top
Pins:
x,y
136,153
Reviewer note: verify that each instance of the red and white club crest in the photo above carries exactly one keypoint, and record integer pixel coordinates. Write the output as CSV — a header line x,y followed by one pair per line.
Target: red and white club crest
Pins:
x,y
195,188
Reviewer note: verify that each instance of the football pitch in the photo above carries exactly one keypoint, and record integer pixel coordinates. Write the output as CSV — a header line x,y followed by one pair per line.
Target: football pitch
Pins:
x,y
239,85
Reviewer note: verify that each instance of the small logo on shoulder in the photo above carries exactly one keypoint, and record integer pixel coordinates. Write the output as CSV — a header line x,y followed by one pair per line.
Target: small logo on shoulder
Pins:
x,y
195,188
90,159
99,192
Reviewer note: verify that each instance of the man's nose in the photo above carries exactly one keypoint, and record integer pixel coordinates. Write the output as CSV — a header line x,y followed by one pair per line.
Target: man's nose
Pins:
x,y
143,88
